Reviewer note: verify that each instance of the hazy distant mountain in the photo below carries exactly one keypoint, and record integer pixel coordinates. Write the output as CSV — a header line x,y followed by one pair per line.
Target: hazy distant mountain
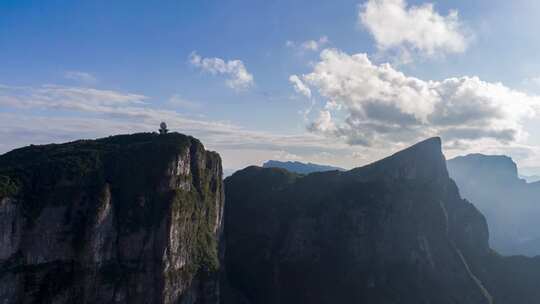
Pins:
x,y
510,204
299,167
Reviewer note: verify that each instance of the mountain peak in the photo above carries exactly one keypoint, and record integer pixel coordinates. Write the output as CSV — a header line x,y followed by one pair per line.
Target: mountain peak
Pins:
x,y
499,168
422,161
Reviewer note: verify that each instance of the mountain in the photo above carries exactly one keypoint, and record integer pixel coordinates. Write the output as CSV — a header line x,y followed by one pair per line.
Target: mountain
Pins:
x,y
395,231
142,219
124,219
509,203
299,167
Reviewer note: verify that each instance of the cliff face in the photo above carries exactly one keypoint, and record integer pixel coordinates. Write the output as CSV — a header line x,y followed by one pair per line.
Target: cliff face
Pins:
x,y
124,219
509,203
138,219
395,231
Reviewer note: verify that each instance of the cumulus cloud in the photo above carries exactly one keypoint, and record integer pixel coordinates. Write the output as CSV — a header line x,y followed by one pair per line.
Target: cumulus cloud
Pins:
x,y
323,123
394,24
238,76
378,105
299,86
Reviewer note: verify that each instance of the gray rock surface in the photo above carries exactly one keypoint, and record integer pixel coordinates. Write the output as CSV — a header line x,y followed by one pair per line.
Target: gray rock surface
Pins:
x,y
125,219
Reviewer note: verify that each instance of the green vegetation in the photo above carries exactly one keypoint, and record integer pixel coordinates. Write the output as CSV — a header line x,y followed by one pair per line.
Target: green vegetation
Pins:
x,y
57,174
133,167
7,187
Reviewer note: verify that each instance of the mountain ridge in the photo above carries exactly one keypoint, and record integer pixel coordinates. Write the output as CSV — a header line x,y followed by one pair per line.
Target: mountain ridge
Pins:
x,y
300,167
402,211
142,218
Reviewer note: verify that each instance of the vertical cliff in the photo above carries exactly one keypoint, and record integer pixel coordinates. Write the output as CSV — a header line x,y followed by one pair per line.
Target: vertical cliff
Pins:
x,y
395,231
124,219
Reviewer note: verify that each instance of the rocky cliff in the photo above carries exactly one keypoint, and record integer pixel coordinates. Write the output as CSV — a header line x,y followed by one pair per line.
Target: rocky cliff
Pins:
x,y
138,219
123,219
395,231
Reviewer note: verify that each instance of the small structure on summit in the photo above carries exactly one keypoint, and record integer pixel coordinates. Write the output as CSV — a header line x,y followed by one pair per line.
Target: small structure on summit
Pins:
x,y
163,128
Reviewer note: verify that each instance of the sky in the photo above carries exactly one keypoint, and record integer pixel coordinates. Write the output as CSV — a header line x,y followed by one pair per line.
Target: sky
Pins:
x,y
335,82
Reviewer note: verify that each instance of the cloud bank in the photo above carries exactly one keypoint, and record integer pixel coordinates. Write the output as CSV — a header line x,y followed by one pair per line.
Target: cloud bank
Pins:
x,y
373,105
53,113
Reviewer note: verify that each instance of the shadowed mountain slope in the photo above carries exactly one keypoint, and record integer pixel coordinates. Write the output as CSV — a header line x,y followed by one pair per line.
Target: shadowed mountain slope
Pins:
x,y
394,231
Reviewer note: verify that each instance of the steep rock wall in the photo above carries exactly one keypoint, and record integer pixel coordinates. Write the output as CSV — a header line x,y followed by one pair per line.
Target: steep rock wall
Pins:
x,y
124,219
395,231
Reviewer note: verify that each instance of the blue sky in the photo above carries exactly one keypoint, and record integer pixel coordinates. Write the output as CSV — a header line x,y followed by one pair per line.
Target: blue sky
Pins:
x,y
73,69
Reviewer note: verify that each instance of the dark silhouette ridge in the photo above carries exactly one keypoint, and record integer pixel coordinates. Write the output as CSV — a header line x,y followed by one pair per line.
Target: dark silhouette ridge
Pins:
x,y
395,231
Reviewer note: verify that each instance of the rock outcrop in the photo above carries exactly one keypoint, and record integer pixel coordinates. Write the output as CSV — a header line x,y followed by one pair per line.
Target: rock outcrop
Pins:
x,y
124,219
395,231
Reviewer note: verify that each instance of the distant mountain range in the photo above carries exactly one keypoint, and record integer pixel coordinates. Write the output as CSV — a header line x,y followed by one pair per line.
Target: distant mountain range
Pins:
x,y
299,167
511,204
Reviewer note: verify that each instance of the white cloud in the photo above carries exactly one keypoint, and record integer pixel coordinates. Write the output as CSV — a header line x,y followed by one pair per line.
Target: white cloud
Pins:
x,y
239,77
82,77
323,123
286,156
395,25
381,105
50,113
315,45
299,86
66,98
309,45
